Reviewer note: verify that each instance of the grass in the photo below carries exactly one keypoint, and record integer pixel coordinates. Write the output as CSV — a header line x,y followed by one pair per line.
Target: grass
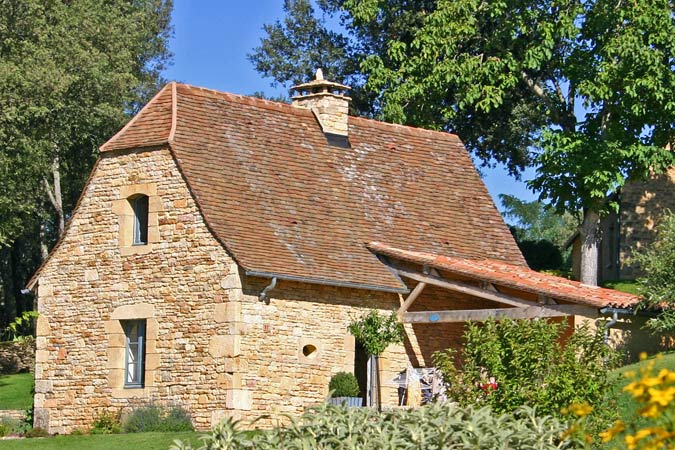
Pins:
x,y
15,391
141,441
629,286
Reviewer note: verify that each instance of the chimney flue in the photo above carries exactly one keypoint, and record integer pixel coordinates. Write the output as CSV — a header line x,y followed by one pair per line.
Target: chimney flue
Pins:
x,y
327,101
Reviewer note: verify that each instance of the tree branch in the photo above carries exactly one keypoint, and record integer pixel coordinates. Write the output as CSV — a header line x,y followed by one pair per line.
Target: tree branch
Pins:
x,y
54,195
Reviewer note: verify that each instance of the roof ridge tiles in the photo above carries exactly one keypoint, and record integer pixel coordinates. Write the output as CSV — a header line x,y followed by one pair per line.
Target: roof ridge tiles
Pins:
x,y
408,128
248,100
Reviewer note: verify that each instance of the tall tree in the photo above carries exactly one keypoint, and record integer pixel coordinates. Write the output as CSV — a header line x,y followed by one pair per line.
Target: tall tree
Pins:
x,y
599,74
71,73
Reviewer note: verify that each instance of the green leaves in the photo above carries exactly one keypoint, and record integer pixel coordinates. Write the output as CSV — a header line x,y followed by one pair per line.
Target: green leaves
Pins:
x,y
433,427
376,332
529,365
657,285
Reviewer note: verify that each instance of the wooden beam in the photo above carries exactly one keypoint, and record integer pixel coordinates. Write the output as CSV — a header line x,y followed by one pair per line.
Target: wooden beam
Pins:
x,y
463,315
466,289
411,298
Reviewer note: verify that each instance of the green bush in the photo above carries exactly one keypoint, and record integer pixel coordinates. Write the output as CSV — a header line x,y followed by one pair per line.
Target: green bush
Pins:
x,y
36,433
511,363
344,384
157,418
376,331
9,425
106,423
434,426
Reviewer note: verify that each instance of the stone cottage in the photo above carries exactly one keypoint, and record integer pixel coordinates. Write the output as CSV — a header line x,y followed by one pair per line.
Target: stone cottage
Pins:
x,y
223,243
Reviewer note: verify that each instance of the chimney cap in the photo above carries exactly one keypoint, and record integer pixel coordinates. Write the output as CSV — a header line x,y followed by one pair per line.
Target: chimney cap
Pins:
x,y
319,86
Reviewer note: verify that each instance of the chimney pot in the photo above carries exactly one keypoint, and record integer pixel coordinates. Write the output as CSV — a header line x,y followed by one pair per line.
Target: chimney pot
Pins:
x,y
327,101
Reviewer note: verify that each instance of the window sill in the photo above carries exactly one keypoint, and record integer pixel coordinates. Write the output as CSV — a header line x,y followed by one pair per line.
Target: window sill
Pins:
x,y
138,249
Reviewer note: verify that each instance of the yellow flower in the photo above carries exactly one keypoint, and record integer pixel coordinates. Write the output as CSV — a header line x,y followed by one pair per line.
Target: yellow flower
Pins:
x,y
662,396
636,388
643,356
650,410
616,429
580,409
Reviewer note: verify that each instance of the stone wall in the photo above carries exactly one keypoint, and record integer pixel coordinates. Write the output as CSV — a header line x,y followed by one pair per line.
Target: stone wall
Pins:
x,y
642,206
212,346
92,280
16,357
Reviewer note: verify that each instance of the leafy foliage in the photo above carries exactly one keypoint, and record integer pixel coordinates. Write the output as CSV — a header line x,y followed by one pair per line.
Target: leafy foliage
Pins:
x,y
431,427
36,433
344,384
16,329
157,418
535,221
511,363
376,331
106,423
657,263
9,425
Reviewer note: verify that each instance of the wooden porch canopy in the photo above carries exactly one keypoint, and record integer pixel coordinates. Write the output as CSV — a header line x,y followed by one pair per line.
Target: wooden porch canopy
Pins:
x,y
497,281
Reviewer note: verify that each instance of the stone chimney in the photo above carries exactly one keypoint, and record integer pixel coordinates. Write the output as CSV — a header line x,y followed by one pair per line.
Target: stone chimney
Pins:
x,y
327,101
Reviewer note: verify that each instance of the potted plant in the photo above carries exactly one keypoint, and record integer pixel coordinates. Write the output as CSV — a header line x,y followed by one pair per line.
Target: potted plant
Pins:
x,y
344,390
376,332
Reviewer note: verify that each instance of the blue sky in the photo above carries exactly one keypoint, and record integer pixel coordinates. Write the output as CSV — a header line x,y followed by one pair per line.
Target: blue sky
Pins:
x,y
210,43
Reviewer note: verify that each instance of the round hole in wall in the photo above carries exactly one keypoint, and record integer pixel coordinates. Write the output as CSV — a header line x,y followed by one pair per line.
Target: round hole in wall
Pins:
x,y
310,351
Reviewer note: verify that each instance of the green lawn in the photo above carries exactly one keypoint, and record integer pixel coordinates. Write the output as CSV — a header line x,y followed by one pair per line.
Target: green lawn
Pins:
x,y
138,441
629,286
15,391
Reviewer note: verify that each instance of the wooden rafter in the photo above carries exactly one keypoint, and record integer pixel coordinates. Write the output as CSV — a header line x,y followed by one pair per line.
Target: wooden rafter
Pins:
x,y
466,289
529,312
411,298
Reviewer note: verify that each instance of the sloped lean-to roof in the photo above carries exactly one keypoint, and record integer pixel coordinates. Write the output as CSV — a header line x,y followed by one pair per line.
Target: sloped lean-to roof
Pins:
x,y
512,276
284,201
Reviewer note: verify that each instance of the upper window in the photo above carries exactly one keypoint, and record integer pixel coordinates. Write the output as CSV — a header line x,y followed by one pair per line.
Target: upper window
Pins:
x,y
139,204
134,331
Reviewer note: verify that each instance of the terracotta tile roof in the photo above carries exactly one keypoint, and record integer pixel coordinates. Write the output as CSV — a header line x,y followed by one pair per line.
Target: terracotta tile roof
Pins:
x,y
284,201
150,127
517,277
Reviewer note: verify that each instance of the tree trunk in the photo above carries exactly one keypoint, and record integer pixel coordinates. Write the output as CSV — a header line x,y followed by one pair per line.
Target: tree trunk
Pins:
x,y
54,193
44,248
589,232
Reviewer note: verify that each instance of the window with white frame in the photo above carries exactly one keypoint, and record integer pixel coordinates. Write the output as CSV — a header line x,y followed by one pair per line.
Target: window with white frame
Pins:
x,y
134,331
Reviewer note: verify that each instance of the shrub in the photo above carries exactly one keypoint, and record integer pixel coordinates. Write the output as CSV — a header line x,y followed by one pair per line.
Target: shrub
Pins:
x,y
433,426
344,384
36,433
9,425
158,418
106,423
376,332
511,363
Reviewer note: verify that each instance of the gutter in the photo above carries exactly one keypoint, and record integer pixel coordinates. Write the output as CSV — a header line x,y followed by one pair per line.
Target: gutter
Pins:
x,y
347,284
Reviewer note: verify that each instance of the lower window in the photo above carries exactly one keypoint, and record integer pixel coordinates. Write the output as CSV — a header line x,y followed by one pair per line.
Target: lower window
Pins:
x,y
134,331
